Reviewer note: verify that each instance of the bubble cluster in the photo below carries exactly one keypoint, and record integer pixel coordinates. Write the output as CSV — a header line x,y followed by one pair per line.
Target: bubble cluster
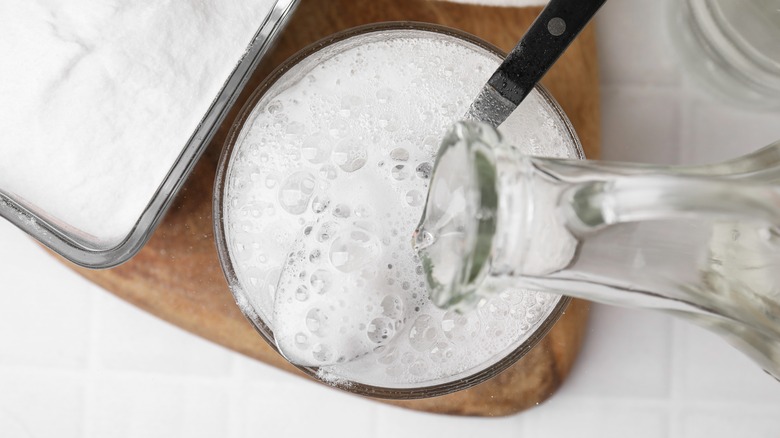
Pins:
x,y
332,290
325,188
316,148
350,154
296,191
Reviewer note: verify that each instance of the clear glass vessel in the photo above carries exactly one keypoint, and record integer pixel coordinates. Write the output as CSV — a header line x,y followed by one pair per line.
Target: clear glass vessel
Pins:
x,y
701,243
253,270
731,47
99,249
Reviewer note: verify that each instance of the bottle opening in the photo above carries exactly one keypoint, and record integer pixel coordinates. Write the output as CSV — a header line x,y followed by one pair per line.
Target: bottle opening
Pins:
x,y
454,237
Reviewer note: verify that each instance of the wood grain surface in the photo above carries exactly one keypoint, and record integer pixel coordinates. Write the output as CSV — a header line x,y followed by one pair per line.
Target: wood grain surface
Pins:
x,y
177,275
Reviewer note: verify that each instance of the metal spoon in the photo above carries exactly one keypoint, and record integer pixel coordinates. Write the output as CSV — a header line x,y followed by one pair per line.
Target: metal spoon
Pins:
x,y
547,38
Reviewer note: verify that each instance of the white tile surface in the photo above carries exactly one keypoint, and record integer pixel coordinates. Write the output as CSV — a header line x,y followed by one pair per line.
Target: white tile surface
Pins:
x,y
626,354
640,124
395,422
140,406
44,319
76,362
593,417
302,409
716,131
758,422
123,344
632,44
41,403
712,370
255,371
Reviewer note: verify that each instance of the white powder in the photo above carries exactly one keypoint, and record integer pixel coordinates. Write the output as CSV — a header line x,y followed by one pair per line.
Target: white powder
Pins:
x,y
98,98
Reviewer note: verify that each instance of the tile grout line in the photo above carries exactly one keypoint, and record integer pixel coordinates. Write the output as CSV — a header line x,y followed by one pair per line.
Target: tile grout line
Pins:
x,y
236,421
375,421
122,375
685,142
647,403
674,407
92,368
639,86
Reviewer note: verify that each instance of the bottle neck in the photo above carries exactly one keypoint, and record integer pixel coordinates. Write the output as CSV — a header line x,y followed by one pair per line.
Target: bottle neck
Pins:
x,y
531,235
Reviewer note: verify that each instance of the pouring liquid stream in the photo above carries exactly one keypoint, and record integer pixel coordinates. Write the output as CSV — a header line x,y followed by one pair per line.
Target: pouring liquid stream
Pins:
x,y
700,243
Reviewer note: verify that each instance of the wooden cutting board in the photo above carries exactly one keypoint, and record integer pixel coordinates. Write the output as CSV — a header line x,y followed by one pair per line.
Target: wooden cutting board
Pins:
x,y
177,275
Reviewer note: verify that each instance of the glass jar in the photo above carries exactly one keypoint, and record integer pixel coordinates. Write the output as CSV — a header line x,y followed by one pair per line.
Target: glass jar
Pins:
x,y
731,47
339,138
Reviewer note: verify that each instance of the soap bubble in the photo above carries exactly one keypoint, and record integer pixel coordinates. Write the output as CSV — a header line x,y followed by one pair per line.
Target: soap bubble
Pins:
x,y
341,211
380,330
326,231
353,249
316,321
350,106
423,333
316,148
302,341
494,308
294,129
414,198
328,171
364,211
320,203
387,354
302,293
321,280
274,107
400,172
388,122
394,371
384,95
430,144
392,306
339,128
441,352
350,154
459,327
322,352
399,154
296,191
418,368
424,170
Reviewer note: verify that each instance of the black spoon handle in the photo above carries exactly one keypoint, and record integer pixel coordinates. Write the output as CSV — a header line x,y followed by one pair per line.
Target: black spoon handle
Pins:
x,y
549,36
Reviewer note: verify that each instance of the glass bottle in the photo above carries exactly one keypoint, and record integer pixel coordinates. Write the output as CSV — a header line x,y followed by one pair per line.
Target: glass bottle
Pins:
x,y
701,243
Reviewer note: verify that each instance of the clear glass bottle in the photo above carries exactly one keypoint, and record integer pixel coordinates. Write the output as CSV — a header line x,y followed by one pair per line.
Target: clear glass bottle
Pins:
x,y
701,243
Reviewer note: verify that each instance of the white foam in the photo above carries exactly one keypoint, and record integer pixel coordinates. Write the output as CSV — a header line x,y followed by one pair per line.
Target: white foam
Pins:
x,y
365,124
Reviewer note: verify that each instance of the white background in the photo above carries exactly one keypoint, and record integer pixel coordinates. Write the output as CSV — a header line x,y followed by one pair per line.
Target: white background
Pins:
x,y
77,362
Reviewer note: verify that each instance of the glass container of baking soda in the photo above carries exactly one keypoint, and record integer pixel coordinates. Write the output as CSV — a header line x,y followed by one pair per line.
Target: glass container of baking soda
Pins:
x,y
701,243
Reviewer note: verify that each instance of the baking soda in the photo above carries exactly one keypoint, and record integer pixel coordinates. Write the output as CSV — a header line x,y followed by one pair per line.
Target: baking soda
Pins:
x,y
326,185
100,97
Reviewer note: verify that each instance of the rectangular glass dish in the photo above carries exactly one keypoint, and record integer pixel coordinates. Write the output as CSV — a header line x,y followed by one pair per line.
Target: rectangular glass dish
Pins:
x,y
64,221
